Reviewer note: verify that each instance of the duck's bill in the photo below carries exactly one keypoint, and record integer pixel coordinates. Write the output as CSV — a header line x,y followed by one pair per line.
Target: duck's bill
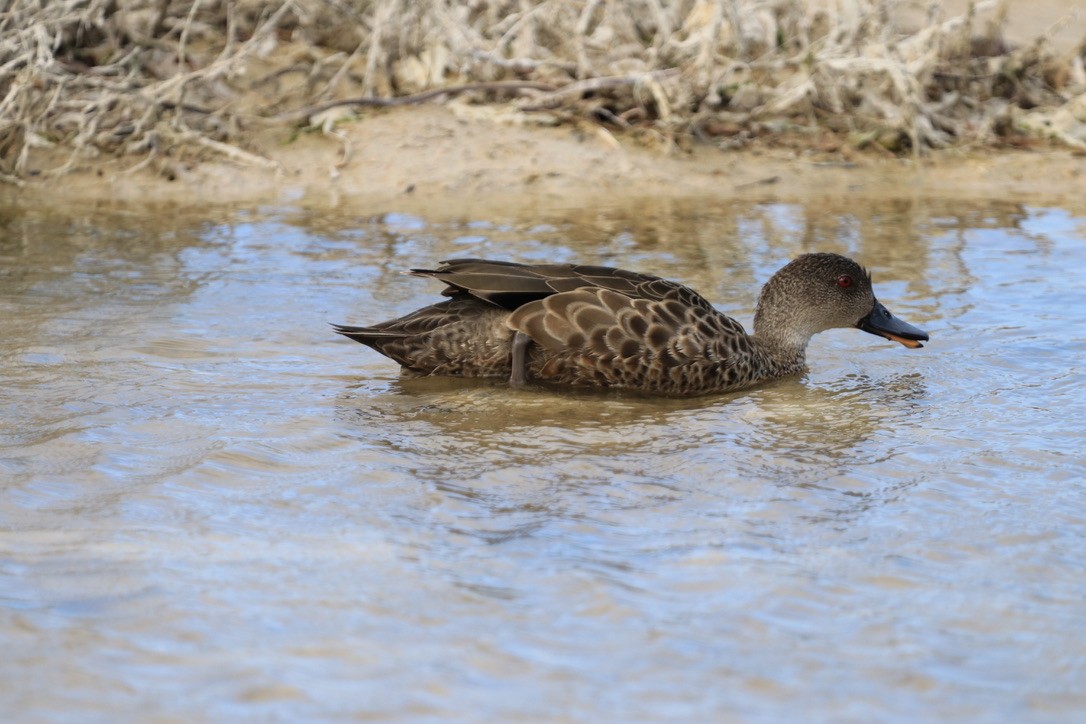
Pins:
x,y
884,324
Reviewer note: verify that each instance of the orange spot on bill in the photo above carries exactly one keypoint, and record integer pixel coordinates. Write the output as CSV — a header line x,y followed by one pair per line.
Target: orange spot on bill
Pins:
x,y
910,343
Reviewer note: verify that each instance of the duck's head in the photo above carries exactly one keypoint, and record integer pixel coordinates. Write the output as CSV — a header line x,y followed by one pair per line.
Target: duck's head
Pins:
x,y
816,292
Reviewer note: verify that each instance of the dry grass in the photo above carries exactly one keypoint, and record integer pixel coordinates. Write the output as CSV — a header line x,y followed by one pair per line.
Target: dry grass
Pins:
x,y
169,82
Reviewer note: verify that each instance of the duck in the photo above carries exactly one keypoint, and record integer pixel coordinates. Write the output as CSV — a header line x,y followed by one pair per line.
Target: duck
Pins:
x,y
595,326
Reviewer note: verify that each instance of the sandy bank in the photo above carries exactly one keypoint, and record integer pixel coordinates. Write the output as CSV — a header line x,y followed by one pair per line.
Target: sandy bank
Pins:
x,y
455,161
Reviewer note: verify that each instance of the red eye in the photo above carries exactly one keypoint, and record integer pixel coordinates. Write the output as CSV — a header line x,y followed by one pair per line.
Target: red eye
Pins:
x,y
844,281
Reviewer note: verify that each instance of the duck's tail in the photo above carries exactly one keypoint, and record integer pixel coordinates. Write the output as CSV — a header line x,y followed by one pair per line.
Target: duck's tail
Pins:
x,y
369,336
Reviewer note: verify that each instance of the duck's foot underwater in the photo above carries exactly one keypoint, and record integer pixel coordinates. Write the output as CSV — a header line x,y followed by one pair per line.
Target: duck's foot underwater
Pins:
x,y
519,377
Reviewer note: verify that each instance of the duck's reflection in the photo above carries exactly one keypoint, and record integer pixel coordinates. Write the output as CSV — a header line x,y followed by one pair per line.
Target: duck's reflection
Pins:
x,y
504,463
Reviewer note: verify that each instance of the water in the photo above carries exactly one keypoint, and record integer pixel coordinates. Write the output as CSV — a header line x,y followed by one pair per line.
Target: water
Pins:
x,y
213,507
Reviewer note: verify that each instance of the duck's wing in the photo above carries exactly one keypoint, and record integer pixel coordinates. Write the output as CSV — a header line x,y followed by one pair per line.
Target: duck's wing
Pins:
x,y
510,285
629,341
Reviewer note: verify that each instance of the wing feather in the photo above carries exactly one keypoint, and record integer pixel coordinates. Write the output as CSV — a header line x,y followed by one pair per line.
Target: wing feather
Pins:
x,y
511,285
605,331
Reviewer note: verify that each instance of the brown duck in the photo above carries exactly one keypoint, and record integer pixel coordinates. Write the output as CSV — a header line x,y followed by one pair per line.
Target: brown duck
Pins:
x,y
596,326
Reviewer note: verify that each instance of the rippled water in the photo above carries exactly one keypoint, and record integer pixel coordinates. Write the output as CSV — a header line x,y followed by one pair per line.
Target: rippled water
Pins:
x,y
211,506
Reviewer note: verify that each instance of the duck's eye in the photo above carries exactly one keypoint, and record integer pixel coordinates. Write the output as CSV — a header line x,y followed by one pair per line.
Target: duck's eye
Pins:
x,y
844,281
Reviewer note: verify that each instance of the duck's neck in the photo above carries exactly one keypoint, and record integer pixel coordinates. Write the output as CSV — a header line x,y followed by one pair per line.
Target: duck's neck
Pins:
x,y
778,360
780,345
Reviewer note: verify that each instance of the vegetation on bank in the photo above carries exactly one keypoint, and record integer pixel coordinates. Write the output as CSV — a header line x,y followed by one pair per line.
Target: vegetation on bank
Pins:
x,y
167,81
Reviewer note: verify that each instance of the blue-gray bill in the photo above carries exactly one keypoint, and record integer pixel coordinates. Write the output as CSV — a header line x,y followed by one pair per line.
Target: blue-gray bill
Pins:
x,y
879,321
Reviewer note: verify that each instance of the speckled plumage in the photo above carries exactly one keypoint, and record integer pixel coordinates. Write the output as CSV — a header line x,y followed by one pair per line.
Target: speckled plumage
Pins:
x,y
603,327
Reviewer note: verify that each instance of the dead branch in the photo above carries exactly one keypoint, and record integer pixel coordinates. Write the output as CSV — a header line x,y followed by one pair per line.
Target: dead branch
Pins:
x,y
415,98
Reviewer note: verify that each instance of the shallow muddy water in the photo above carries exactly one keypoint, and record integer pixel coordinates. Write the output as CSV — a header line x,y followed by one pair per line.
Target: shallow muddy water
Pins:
x,y
213,507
